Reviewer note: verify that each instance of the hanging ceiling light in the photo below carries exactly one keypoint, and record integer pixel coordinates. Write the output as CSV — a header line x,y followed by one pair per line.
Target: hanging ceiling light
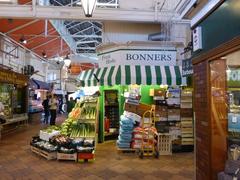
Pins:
x,y
23,40
67,61
88,7
44,54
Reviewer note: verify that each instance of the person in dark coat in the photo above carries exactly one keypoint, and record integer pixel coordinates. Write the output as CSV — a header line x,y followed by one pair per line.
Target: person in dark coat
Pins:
x,y
45,105
70,105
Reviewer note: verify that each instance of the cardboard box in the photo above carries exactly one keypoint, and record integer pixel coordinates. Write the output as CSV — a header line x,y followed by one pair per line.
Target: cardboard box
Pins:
x,y
173,112
130,108
159,92
142,108
186,113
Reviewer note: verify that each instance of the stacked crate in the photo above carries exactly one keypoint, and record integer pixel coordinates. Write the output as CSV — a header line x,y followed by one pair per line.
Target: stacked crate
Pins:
x,y
174,119
187,117
161,110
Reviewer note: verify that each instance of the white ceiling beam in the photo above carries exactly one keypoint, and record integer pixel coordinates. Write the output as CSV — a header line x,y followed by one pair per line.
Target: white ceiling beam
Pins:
x,y
36,47
86,48
53,36
204,11
22,26
74,13
84,42
187,8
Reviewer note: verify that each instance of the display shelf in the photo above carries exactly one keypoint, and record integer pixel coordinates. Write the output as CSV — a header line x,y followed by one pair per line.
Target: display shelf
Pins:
x,y
187,118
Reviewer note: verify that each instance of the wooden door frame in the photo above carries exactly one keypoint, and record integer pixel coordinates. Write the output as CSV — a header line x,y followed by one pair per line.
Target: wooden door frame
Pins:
x,y
214,54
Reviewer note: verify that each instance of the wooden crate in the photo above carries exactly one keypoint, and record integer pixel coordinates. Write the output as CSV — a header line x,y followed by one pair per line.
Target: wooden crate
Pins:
x,y
164,144
63,156
45,154
126,150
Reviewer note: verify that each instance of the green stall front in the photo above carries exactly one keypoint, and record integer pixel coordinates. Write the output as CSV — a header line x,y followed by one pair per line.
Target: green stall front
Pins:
x,y
114,81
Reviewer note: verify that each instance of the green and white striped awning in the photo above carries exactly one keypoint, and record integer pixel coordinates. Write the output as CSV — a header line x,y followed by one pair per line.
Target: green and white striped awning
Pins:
x,y
129,74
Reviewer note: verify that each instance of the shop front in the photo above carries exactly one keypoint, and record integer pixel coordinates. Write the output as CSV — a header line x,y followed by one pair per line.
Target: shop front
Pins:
x,y
13,98
120,97
38,91
216,93
153,78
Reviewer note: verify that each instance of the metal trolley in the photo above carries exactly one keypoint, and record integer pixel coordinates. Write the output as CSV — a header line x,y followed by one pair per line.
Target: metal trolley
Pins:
x,y
148,144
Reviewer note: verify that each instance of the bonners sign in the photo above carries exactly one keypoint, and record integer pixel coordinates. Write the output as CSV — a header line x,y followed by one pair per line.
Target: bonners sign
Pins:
x,y
138,57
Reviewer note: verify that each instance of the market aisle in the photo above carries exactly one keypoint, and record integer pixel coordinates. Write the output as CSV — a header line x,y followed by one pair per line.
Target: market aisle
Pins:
x,y
18,162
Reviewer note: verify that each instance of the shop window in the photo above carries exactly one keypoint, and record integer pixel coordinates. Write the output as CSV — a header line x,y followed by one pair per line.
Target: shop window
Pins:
x,y
218,122
52,76
6,99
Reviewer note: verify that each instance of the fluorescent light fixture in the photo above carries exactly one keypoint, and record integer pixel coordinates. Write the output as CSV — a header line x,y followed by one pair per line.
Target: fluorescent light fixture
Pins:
x,y
88,7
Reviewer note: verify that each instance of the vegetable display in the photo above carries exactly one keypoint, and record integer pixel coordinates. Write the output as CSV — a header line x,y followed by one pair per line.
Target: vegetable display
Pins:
x,y
76,134
50,129
88,112
83,130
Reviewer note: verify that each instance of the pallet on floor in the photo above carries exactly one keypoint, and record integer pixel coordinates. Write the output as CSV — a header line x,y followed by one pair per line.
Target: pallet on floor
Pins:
x,y
126,150
45,154
69,157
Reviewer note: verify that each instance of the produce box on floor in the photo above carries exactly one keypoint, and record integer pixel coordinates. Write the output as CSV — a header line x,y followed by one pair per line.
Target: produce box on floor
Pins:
x,y
76,137
63,156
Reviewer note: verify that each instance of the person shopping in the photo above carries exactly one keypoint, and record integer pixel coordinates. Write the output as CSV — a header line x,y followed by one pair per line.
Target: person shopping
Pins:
x,y
70,105
45,105
53,109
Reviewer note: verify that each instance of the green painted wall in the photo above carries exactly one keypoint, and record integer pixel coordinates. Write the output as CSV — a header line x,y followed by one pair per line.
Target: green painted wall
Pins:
x,y
220,26
145,98
145,90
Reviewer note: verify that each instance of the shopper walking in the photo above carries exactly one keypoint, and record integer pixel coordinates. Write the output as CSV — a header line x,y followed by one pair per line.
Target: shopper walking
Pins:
x,y
53,109
45,105
60,109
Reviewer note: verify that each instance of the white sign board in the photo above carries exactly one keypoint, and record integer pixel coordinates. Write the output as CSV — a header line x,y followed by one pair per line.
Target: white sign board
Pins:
x,y
160,57
197,38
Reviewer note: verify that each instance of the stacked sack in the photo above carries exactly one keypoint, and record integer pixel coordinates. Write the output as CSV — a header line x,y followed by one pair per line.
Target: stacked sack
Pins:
x,y
125,135
141,135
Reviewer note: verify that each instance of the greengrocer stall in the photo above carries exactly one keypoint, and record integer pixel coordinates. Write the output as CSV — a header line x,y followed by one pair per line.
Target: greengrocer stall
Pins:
x,y
75,139
128,83
13,98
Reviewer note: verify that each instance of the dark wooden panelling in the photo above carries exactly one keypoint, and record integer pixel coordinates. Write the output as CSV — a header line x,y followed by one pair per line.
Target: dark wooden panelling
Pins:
x,y
218,116
202,120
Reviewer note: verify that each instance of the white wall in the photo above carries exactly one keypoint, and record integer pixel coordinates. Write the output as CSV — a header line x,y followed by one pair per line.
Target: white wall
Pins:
x,y
121,32
181,33
141,4
233,59
24,58
15,63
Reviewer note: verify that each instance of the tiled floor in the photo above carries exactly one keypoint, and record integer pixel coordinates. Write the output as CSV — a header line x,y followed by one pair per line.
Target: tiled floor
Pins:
x,y
18,162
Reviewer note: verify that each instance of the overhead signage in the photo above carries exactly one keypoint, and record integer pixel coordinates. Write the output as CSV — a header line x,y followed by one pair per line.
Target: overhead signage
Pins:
x,y
160,57
197,39
187,68
11,77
